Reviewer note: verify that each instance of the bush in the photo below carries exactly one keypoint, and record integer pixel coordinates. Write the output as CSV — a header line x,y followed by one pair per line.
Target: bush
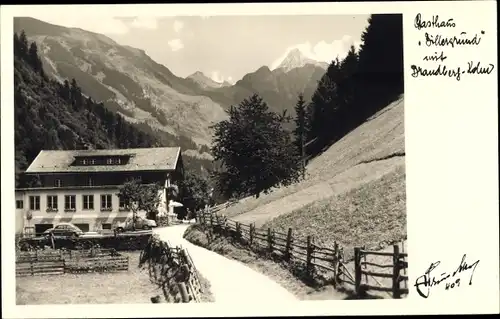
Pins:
x,y
122,242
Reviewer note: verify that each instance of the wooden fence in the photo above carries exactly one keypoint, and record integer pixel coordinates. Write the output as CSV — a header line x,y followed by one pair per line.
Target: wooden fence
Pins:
x,y
398,265
172,269
315,258
33,268
69,261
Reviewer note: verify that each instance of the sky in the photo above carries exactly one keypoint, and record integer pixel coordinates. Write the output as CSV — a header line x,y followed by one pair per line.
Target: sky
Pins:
x,y
226,48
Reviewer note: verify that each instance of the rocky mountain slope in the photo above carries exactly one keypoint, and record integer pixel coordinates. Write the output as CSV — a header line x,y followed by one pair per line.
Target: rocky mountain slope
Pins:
x,y
129,82
125,79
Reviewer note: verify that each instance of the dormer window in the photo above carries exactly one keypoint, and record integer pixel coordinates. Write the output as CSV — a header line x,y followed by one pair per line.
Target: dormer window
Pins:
x,y
90,182
58,183
101,160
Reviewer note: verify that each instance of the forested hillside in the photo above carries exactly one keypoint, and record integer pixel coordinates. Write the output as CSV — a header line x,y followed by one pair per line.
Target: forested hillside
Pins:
x,y
50,115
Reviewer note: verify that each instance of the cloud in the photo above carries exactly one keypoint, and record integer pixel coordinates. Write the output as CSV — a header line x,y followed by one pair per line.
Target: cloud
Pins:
x,y
175,44
219,78
98,24
178,26
149,23
322,51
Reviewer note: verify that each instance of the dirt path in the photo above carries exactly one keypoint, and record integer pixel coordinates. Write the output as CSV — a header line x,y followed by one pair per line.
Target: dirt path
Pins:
x,y
231,281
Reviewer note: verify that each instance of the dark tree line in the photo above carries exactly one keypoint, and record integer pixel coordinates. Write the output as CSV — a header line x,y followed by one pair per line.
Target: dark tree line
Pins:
x,y
356,87
54,116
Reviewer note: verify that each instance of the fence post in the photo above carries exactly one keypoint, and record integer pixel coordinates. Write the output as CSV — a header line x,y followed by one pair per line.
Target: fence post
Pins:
x,y
183,291
251,231
269,240
357,270
364,259
226,226
289,244
238,229
396,293
211,220
31,267
335,263
309,254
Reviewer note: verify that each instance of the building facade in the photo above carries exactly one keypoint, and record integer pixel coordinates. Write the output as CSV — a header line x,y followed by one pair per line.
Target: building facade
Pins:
x,y
81,186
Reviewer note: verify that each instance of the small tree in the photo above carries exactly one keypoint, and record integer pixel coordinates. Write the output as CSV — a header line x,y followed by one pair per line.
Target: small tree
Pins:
x,y
139,196
255,151
195,192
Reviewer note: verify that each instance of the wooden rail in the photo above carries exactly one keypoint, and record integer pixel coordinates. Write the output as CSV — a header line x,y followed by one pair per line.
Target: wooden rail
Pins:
x,y
77,261
315,257
172,269
398,265
329,260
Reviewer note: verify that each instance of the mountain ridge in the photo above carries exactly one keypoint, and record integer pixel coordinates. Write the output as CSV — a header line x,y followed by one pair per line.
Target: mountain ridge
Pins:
x,y
206,82
144,91
126,79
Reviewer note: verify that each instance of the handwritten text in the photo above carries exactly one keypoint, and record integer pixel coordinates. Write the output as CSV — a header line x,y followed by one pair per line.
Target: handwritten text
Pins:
x,y
424,283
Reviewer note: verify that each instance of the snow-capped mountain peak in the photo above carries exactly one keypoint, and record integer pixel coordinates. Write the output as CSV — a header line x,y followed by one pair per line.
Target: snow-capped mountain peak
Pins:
x,y
296,59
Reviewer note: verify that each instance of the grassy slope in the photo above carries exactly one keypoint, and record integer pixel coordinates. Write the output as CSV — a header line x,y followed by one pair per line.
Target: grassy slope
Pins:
x,y
340,169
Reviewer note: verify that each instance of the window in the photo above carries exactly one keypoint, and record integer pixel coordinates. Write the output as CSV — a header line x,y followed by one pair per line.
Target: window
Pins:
x,y
88,201
19,204
123,204
90,182
84,161
51,203
117,161
35,202
106,226
109,161
70,203
106,202
92,162
58,183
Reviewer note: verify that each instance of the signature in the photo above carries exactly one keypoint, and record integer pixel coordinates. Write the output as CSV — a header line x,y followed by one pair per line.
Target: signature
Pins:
x,y
424,283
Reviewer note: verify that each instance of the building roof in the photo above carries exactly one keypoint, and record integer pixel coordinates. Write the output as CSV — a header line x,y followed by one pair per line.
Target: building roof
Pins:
x,y
141,159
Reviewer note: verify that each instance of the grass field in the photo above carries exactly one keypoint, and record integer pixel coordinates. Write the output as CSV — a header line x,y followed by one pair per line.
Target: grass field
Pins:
x,y
371,215
132,286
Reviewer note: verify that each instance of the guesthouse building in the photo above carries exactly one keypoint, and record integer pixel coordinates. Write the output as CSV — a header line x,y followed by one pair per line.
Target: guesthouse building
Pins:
x,y
81,186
